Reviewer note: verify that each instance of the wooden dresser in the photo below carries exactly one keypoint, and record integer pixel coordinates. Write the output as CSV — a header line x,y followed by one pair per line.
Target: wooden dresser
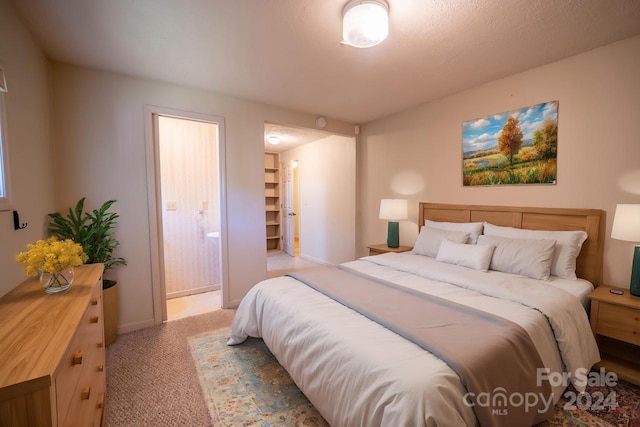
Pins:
x,y
52,354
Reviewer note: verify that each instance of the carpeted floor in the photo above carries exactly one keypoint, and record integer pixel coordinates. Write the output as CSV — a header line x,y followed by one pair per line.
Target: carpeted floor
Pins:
x,y
246,386
151,377
183,374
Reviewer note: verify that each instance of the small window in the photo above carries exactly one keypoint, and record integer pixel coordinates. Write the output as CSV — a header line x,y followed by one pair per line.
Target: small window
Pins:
x,y
4,153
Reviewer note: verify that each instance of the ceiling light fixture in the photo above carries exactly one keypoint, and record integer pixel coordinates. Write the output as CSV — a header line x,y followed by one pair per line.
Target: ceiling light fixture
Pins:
x,y
273,139
365,23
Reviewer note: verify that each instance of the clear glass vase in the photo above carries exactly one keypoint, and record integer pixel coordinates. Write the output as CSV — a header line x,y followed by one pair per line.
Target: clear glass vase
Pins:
x,y
56,282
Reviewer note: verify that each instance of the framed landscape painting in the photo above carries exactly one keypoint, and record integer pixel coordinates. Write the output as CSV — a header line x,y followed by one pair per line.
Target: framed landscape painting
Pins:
x,y
514,147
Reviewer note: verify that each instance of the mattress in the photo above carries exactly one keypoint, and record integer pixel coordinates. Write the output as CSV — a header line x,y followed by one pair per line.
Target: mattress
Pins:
x,y
357,372
579,288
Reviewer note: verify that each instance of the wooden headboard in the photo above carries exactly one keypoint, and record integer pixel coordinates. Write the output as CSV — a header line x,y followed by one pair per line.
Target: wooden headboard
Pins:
x,y
593,221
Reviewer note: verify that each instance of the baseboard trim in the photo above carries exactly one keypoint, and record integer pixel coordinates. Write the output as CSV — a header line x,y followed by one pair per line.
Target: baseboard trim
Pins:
x,y
233,304
125,329
192,291
316,260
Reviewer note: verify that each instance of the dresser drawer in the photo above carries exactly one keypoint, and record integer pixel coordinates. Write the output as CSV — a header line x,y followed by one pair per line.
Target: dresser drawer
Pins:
x,y
621,323
70,370
97,422
80,354
87,398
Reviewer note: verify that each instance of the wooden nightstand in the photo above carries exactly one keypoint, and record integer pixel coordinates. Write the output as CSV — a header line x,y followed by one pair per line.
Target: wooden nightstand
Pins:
x,y
615,322
383,249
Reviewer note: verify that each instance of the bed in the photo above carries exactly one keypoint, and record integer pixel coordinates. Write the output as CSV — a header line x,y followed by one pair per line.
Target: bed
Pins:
x,y
357,372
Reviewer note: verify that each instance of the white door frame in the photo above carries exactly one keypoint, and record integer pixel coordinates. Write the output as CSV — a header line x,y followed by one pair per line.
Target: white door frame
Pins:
x,y
154,203
287,208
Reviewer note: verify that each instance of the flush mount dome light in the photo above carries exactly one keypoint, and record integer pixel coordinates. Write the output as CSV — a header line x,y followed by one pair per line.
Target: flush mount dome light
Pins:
x,y
365,23
273,139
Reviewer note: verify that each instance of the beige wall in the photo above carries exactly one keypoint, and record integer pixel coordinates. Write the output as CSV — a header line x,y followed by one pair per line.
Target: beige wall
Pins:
x,y
28,106
417,153
327,185
100,153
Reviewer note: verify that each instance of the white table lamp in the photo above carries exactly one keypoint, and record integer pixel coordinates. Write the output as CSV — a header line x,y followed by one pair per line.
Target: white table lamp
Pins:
x,y
626,226
393,210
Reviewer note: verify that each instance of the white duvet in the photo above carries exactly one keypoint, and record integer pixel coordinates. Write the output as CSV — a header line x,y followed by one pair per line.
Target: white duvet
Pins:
x,y
358,373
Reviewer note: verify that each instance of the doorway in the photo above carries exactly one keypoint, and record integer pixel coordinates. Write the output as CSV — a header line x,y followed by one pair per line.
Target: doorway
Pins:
x,y
289,212
296,208
285,257
187,204
317,198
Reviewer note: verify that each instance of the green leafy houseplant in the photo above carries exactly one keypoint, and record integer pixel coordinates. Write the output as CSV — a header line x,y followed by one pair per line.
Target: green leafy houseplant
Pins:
x,y
93,231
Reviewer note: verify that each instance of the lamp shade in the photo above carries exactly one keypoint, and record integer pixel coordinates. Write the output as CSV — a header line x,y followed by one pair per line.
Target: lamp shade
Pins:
x,y
393,209
626,223
365,23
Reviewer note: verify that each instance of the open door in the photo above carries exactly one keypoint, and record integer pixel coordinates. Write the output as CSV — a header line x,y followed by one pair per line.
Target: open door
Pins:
x,y
158,206
287,209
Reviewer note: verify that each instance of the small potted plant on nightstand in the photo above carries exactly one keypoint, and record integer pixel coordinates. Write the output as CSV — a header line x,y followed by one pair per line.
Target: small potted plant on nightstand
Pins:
x,y
94,231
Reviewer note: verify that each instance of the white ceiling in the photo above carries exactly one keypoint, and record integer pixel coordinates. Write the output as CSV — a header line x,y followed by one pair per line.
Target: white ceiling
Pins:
x,y
290,137
288,52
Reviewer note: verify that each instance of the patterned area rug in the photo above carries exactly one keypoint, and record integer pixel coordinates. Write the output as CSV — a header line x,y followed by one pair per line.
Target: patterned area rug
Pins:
x,y
621,407
246,386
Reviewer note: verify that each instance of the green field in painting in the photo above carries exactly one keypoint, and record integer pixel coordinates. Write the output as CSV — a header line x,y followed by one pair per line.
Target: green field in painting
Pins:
x,y
492,168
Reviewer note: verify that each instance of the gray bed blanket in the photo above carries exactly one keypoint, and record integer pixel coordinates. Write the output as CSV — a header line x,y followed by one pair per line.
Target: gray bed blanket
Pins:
x,y
493,356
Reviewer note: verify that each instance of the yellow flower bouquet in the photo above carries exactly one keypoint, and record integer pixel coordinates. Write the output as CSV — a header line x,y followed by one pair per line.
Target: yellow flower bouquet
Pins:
x,y
54,260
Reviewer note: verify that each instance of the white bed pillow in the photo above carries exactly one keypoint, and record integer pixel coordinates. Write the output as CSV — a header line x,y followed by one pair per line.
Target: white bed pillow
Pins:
x,y
429,240
568,245
471,256
525,257
473,228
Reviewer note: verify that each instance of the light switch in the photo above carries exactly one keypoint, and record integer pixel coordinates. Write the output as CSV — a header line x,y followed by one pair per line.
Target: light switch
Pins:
x,y
204,205
170,205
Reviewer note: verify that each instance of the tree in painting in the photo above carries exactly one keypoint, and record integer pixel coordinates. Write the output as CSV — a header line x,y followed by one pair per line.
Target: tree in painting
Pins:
x,y
545,140
513,147
510,139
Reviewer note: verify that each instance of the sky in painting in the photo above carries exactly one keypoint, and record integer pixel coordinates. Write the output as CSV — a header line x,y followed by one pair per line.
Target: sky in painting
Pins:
x,y
482,134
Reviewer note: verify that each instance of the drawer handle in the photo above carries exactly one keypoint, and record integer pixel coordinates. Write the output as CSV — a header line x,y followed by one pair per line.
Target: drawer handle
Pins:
x,y
94,319
100,368
100,344
85,393
94,302
99,405
77,359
